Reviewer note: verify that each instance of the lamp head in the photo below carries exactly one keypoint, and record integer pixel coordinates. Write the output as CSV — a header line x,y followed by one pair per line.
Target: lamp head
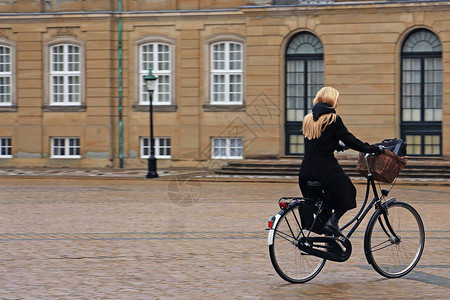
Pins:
x,y
150,80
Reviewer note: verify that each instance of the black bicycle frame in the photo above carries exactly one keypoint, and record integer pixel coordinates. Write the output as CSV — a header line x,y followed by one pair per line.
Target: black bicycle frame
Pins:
x,y
362,213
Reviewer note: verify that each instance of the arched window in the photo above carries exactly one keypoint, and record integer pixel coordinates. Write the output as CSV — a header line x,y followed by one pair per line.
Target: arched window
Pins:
x,y
421,93
226,73
157,56
65,75
304,77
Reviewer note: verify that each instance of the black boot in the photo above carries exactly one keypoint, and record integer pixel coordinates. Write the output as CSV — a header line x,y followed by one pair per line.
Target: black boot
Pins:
x,y
331,225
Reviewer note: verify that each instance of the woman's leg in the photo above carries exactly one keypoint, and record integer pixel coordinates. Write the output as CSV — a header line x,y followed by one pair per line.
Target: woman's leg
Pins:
x,y
332,225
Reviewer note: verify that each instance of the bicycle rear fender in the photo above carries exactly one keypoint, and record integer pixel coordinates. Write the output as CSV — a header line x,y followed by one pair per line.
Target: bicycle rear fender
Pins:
x,y
272,230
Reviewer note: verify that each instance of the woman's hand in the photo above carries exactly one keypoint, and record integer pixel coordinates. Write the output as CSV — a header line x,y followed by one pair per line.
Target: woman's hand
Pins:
x,y
379,149
341,147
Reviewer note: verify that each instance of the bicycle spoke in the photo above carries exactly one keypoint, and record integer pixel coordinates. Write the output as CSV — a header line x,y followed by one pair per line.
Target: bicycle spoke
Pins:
x,y
374,248
285,236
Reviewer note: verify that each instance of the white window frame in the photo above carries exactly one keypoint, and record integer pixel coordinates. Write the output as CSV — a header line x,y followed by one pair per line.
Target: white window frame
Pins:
x,y
66,74
6,74
161,69
66,147
3,147
227,72
158,147
227,147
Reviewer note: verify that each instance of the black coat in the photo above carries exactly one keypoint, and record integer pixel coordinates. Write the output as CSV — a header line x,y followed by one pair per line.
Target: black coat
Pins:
x,y
320,164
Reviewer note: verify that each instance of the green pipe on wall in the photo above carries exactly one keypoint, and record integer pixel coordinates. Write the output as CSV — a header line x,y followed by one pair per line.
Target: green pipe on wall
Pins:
x,y
120,88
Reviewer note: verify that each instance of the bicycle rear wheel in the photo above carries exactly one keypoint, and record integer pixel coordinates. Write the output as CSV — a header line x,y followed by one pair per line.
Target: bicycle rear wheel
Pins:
x,y
394,242
292,264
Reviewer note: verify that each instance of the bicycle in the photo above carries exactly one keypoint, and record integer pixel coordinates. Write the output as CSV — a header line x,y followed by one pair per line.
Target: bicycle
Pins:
x,y
394,238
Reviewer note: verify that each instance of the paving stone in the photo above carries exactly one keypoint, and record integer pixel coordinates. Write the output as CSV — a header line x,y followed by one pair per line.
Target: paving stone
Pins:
x,y
110,238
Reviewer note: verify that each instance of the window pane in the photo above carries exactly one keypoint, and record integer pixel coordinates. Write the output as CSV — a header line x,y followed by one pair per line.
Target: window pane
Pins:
x,y
163,147
411,89
219,147
5,90
58,147
432,145
146,57
295,89
58,58
235,56
296,144
422,41
235,88
433,89
218,87
163,57
58,89
5,59
236,147
163,95
73,57
218,54
414,144
145,147
305,43
5,147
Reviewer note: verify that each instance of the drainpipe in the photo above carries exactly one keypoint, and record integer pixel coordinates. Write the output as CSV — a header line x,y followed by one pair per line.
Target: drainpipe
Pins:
x,y
120,88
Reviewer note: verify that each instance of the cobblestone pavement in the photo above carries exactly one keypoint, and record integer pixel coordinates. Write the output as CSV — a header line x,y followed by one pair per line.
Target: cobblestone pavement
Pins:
x,y
63,238
168,174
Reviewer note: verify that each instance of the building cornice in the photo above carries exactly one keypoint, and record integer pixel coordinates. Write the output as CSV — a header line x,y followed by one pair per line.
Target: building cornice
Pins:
x,y
239,10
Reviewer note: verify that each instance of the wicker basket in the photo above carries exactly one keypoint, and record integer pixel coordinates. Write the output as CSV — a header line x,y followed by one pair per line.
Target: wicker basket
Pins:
x,y
384,167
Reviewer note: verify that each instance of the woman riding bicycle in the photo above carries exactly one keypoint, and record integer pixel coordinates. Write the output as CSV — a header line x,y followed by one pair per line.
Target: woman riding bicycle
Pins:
x,y
323,130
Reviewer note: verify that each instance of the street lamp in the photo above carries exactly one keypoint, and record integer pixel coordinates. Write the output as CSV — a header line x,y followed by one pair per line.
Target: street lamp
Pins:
x,y
150,83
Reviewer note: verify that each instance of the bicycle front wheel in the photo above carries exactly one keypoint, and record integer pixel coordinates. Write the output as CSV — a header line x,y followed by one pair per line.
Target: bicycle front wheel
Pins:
x,y
292,264
394,242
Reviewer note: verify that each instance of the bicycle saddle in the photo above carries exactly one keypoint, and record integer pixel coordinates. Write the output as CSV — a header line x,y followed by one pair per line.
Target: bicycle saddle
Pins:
x,y
317,184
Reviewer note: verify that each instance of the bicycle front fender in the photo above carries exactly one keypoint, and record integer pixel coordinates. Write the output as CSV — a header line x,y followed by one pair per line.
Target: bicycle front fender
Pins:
x,y
375,215
272,230
389,201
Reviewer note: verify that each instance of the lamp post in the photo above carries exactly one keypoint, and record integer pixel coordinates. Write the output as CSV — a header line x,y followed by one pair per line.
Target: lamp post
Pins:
x,y
150,83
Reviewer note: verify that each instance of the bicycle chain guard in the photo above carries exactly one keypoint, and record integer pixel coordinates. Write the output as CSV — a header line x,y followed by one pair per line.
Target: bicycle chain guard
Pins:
x,y
339,248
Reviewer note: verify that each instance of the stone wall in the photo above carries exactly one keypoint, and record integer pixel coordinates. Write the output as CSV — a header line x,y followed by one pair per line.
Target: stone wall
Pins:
x,y
362,60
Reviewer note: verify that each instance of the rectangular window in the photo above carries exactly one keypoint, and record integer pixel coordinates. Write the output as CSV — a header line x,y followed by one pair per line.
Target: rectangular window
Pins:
x,y
162,147
296,144
433,89
65,75
65,147
413,88
411,102
5,76
227,148
304,78
5,147
155,56
226,73
414,144
432,145
424,144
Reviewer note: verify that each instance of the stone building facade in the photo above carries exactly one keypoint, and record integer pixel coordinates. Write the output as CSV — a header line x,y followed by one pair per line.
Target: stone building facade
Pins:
x,y
235,77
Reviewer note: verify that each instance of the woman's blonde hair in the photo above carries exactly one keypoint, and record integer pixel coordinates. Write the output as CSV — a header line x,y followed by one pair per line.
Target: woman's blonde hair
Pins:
x,y
313,129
